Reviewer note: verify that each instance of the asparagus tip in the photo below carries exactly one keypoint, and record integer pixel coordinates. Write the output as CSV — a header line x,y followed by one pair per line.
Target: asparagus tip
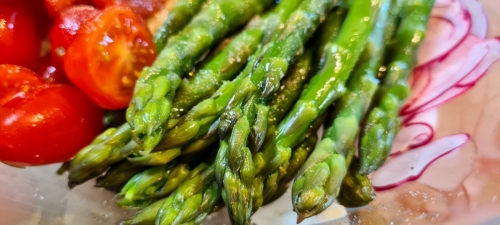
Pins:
x,y
300,218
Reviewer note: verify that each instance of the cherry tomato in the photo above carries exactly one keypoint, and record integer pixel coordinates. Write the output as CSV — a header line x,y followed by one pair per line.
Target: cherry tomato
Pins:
x,y
43,123
66,27
144,8
56,7
51,73
106,62
20,39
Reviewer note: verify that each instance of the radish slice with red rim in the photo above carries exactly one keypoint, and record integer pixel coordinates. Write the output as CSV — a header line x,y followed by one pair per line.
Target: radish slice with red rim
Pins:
x,y
481,69
443,3
415,131
448,72
479,20
447,27
410,165
412,135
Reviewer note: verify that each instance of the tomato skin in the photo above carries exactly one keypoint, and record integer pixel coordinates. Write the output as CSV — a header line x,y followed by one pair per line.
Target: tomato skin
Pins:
x,y
48,124
145,8
20,37
56,7
51,73
66,27
106,62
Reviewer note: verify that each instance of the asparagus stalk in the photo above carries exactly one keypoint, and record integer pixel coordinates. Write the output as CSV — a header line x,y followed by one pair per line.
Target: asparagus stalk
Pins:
x,y
118,175
356,189
276,183
155,89
194,130
146,216
275,61
96,158
238,195
325,87
155,183
318,182
105,150
178,18
192,201
383,121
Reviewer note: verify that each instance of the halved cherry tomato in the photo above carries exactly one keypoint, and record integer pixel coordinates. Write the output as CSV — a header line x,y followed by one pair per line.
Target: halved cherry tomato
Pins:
x,y
56,7
144,8
43,123
106,62
66,27
20,38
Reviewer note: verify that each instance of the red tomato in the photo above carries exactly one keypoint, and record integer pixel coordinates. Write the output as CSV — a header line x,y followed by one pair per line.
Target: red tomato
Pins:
x,y
50,73
106,62
56,7
20,40
65,29
145,8
43,123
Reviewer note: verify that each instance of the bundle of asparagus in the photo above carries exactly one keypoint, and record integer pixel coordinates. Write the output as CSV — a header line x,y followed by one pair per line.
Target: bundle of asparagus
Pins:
x,y
243,125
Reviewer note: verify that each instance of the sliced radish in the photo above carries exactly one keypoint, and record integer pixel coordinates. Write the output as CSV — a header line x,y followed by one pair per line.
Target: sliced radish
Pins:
x,y
416,130
443,3
446,73
479,20
447,27
410,165
412,135
445,97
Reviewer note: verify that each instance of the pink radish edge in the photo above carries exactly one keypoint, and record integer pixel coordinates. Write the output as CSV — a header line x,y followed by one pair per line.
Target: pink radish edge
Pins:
x,y
479,20
443,75
434,47
443,3
409,165
407,138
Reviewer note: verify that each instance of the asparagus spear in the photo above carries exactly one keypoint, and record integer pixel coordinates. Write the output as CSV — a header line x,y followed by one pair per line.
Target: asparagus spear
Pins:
x,y
383,121
356,189
146,216
325,87
318,182
96,158
118,175
239,200
194,197
105,150
155,89
193,131
156,183
178,17
275,61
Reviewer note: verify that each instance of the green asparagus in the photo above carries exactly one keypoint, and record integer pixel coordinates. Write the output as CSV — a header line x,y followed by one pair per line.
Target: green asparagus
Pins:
x,y
324,88
319,180
146,216
356,189
155,183
192,201
275,61
239,194
118,175
96,158
383,121
155,89
178,18
192,132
